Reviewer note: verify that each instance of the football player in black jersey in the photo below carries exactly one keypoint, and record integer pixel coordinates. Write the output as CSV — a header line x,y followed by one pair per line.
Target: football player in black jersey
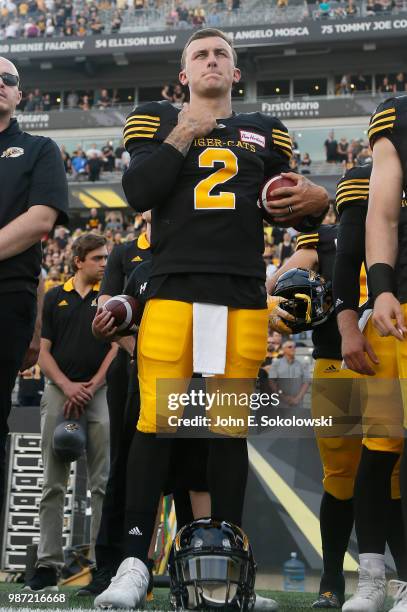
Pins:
x,y
376,495
386,250
121,381
339,455
200,170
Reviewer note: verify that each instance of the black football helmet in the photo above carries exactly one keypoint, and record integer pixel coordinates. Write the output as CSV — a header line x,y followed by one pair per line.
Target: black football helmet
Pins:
x,y
309,298
69,439
211,567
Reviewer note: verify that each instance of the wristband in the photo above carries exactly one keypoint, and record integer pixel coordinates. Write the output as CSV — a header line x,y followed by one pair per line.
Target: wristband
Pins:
x,y
381,279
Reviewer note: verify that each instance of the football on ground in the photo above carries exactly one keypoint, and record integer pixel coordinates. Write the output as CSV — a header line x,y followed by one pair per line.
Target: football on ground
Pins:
x,y
127,312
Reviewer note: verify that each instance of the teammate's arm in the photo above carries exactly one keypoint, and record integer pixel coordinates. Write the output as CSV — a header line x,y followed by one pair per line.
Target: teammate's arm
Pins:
x,y
33,351
346,288
382,237
26,230
304,258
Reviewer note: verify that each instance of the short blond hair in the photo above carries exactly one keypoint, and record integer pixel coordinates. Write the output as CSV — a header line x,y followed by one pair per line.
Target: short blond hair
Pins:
x,y
208,33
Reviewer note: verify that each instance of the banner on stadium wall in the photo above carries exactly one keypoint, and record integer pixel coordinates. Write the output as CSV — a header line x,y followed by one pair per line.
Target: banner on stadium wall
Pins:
x,y
96,195
366,28
343,106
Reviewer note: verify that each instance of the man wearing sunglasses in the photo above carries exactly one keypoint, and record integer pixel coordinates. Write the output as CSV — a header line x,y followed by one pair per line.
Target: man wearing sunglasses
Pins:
x,y
33,197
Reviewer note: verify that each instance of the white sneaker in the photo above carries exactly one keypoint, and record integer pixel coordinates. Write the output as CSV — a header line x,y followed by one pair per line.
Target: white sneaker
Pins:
x,y
400,595
370,594
264,603
128,589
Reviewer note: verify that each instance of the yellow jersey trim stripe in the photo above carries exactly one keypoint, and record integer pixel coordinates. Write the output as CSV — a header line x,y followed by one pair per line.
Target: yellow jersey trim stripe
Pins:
x,y
351,189
388,111
138,122
362,192
151,117
138,136
306,243
354,188
355,180
380,129
285,134
282,144
138,129
287,141
382,120
339,203
288,153
306,236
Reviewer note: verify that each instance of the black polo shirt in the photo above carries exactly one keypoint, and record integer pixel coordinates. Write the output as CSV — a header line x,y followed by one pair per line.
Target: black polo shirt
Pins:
x,y
31,173
122,261
67,323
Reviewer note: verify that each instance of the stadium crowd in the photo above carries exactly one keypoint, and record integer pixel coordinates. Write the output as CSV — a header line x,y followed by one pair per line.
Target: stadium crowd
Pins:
x,y
350,154
50,18
89,164
46,18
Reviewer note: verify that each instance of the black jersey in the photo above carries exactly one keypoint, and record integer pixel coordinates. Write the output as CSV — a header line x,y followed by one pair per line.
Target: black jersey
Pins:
x,y
122,261
32,173
325,337
390,121
209,221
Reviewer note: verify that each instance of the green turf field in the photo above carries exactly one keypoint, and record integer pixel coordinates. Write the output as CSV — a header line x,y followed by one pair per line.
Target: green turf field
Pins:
x,y
289,602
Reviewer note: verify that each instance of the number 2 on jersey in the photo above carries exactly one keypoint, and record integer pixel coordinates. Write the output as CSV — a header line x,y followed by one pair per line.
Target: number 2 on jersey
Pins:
x,y
202,192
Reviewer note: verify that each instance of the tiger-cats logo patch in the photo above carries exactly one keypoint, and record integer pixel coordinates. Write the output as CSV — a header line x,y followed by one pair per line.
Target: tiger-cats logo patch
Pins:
x,y
13,152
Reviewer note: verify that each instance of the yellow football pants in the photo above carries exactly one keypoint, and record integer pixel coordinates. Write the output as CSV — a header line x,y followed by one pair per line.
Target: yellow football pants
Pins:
x,y
164,351
376,399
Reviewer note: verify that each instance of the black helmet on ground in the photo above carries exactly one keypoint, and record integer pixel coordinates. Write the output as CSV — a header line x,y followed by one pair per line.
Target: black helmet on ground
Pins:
x,y
211,567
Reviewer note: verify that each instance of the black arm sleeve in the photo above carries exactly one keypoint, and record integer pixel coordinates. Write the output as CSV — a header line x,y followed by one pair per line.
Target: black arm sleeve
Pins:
x,y
137,282
152,175
349,258
113,278
309,222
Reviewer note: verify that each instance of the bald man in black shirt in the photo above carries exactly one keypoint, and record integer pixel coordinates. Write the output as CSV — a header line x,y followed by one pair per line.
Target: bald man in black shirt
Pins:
x,y
33,197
